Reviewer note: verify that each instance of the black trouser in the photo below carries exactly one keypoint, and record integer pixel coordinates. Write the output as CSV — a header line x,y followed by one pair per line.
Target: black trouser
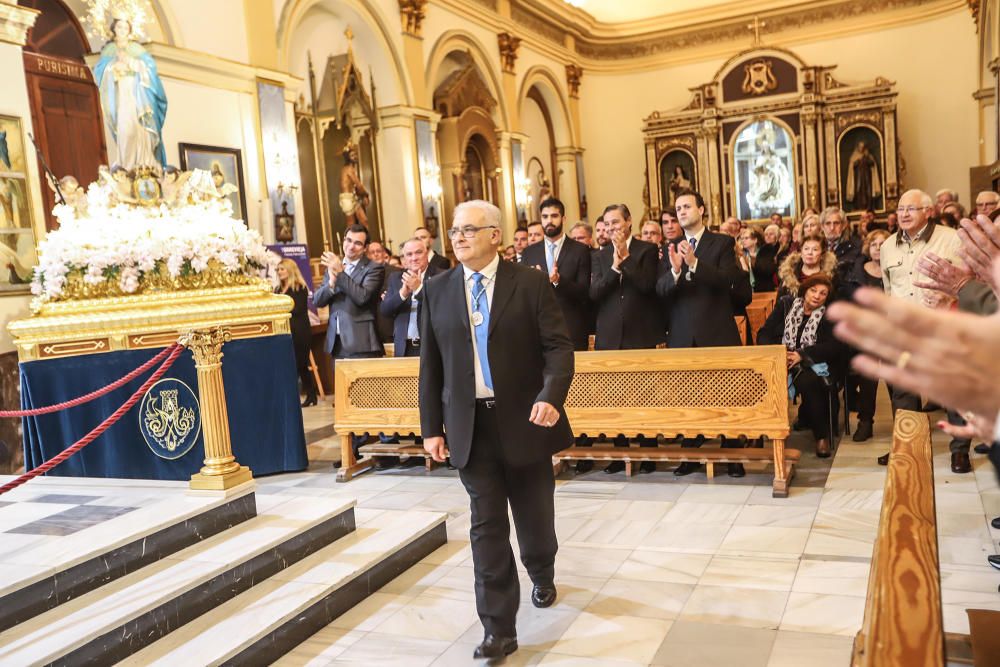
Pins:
x,y
958,445
816,400
492,482
904,400
867,393
412,349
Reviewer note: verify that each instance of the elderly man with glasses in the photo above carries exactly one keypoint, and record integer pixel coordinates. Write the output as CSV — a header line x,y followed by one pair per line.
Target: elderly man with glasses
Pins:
x,y
919,237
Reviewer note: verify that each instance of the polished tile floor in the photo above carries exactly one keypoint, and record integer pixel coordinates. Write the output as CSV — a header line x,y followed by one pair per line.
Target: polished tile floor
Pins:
x,y
658,570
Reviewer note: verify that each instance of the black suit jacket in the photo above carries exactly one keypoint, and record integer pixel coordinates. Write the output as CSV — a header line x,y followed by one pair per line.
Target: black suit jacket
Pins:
x,y
440,262
573,290
699,306
531,360
353,300
397,309
629,316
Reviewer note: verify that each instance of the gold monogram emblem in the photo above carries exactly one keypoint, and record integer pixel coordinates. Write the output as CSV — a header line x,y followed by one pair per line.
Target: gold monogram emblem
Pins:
x,y
166,421
759,78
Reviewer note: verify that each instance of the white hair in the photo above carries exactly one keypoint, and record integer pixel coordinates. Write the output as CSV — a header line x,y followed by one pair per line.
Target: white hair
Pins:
x,y
491,214
772,228
952,194
991,194
925,199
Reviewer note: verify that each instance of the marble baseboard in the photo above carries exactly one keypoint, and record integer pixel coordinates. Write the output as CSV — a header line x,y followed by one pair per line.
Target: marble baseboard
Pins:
x,y
121,642
72,582
320,614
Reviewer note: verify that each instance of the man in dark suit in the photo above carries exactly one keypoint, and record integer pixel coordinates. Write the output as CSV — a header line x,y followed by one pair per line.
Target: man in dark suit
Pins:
x,y
520,242
567,264
377,253
440,262
403,296
351,289
698,278
623,289
496,363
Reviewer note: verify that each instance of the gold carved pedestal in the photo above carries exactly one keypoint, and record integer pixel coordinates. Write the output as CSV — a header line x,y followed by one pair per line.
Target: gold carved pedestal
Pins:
x,y
221,471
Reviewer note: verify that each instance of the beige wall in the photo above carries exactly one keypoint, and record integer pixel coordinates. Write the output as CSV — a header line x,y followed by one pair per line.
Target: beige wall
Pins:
x,y
933,63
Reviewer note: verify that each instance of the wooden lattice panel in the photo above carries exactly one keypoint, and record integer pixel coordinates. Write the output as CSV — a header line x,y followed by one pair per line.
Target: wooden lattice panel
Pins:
x,y
384,393
727,388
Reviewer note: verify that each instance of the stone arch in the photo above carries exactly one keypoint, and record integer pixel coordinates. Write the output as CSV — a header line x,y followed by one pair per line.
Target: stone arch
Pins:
x,y
544,82
370,28
455,40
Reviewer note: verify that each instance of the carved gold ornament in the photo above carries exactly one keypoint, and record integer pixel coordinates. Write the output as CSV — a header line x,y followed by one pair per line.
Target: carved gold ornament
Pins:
x,y
759,78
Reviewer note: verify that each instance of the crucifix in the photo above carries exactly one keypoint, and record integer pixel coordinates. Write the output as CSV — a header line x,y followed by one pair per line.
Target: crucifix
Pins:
x,y
756,27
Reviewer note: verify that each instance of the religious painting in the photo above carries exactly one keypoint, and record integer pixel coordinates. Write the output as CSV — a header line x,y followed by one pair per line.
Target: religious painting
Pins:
x,y
677,173
224,164
861,170
764,171
284,225
17,235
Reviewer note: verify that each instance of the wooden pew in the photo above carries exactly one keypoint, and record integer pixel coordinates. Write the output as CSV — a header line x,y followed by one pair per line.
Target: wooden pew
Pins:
x,y
727,391
902,624
759,310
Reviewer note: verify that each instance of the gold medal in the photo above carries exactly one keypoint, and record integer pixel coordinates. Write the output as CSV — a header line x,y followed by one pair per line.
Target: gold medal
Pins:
x,y
477,319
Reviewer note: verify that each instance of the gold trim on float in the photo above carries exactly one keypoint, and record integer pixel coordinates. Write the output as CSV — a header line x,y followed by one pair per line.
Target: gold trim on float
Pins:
x,y
72,328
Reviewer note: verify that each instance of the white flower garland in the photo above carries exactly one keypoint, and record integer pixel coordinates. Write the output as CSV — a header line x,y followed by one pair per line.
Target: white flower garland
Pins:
x,y
123,242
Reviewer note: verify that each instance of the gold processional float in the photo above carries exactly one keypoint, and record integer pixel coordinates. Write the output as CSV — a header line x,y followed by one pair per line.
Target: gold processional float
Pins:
x,y
147,258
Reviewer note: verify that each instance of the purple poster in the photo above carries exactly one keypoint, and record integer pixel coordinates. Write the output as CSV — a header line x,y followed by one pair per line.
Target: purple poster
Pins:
x,y
298,253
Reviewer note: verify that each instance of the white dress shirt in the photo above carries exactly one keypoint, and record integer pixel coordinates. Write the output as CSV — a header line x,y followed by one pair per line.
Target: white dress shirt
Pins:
x,y
348,269
489,282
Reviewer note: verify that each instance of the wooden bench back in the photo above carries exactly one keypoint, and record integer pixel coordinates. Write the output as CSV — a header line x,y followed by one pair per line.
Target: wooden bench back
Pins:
x,y
715,391
902,625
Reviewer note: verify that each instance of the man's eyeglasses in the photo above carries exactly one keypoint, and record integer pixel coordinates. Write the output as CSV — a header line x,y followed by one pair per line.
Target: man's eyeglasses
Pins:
x,y
468,231
909,209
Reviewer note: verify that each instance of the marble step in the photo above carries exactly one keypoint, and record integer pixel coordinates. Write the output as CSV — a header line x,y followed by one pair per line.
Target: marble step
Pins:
x,y
270,619
116,620
51,571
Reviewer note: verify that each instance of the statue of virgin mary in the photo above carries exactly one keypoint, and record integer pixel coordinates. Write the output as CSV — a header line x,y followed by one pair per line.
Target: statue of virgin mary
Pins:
x,y
134,102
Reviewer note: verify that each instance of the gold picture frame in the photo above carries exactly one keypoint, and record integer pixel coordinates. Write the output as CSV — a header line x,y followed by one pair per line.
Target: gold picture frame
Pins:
x,y
18,255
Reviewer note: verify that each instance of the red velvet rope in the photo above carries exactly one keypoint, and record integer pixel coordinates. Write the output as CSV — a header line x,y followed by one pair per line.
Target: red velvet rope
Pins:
x,y
86,398
174,350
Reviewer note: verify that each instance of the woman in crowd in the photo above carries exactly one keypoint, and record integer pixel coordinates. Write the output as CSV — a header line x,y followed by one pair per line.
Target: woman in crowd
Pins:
x,y
813,355
757,258
811,226
294,286
866,272
809,261
784,245
510,254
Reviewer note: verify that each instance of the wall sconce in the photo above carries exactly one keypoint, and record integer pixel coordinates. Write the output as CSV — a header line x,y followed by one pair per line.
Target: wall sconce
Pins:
x,y
285,168
430,181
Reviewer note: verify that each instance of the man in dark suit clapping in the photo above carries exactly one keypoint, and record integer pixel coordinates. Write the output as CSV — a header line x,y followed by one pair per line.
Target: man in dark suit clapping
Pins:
x,y
496,364
698,279
567,264
623,289
403,296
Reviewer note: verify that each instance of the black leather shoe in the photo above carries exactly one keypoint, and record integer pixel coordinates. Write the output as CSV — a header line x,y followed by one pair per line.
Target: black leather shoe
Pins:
x,y
686,468
310,401
994,561
495,647
982,448
883,460
647,467
543,596
386,462
737,470
615,466
996,522
862,432
584,466
960,462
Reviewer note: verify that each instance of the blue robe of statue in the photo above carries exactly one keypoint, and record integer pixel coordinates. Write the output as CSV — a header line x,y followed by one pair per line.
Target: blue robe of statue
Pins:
x,y
135,104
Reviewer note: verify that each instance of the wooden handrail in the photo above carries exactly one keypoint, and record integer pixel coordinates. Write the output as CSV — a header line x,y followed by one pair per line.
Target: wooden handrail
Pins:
x,y
903,624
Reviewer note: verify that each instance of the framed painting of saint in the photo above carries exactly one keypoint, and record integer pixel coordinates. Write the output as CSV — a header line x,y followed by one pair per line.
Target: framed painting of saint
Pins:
x,y
677,172
17,234
224,164
861,170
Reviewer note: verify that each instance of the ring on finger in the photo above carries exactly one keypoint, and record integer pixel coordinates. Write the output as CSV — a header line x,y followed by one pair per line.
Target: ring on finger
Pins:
x,y
903,360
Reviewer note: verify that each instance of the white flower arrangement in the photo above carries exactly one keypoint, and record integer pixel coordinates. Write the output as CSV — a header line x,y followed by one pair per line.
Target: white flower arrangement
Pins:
x,y
109,242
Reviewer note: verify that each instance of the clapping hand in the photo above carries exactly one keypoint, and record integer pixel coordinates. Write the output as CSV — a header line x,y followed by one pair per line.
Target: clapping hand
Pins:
x,y
411,283
676,259
980,246
941,275
687,253
333,264
554,276
619,239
